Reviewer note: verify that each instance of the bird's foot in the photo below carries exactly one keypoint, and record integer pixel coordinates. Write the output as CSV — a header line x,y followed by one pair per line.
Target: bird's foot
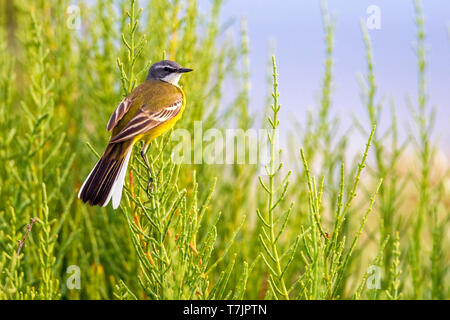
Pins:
x,y
149,185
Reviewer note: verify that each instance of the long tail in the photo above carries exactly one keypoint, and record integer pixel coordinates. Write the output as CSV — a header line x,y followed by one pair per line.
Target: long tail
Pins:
x,y
106,179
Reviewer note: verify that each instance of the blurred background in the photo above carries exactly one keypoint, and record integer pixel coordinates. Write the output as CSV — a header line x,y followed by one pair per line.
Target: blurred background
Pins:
x,y
294,31
315,229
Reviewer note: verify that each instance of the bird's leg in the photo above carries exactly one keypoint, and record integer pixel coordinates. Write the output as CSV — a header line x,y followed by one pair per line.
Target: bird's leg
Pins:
x,y
150,179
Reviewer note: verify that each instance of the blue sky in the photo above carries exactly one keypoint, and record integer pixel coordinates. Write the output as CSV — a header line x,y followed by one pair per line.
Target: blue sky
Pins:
x,y
296,29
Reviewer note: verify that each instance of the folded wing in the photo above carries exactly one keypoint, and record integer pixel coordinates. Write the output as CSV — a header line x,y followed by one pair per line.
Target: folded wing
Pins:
x,y
118,114
145,120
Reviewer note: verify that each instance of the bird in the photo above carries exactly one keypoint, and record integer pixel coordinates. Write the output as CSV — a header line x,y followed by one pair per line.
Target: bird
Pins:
x,y
151,109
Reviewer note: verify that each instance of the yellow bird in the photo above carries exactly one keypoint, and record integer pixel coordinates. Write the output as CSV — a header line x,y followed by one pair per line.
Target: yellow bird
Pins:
x,y
148,111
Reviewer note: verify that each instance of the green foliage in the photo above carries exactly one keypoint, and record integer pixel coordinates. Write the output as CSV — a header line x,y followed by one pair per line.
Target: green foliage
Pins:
x,y
305,227
269,236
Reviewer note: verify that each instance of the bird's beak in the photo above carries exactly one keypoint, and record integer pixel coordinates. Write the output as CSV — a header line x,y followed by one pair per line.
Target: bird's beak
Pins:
x,y
184,70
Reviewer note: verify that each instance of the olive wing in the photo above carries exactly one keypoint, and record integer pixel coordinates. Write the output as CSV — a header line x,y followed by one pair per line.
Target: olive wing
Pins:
x,y
153,103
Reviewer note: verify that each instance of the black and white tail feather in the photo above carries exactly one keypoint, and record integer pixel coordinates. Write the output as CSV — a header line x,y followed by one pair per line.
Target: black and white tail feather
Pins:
x,y
105,181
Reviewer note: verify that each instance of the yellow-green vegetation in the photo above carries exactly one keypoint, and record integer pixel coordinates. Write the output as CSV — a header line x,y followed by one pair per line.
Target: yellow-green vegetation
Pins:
x,y
309,228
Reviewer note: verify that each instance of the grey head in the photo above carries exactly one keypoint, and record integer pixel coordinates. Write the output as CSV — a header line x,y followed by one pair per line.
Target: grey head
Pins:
x,y
166,70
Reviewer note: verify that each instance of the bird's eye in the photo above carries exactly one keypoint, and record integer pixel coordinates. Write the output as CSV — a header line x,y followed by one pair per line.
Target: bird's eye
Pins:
x,y
167,69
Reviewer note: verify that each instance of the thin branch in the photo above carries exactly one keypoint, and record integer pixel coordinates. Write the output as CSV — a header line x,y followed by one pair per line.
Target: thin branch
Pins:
x,y
22,242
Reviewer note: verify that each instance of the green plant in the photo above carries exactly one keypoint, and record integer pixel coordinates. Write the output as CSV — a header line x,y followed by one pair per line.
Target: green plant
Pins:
x,y
269,235
309,227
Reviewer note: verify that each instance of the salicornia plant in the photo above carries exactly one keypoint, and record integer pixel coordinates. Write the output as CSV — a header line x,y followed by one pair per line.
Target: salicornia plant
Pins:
x,y
301,226
273,223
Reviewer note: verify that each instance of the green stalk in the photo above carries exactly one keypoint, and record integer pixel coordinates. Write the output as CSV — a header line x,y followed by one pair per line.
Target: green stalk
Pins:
x,y
424,124
271,256
273,155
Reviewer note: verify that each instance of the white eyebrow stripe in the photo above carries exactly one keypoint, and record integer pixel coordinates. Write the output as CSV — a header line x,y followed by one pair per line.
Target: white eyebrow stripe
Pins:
x,y
165,66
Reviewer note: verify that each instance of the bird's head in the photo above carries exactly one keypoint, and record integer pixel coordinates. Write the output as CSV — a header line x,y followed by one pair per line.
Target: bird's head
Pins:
x,y
166,70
